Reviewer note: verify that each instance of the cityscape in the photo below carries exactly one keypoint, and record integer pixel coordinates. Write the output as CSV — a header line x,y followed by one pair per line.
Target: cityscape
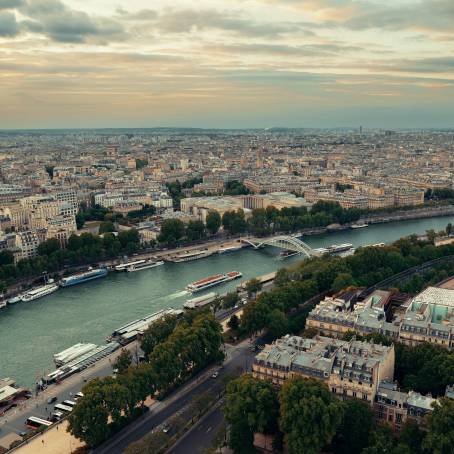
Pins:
x,y
226,227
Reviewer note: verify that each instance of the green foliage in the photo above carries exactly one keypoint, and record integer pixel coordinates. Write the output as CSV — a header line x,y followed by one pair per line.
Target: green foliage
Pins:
x,y
425,368
106,226
440,437
234,222
141,163
213,222
343,281
230,300
354,431
309,415
48,247
172,231
195,230
95,213
382,441
158,332
253,286
6,258
143,213
123,361
234,322
175,189
235,188
251,406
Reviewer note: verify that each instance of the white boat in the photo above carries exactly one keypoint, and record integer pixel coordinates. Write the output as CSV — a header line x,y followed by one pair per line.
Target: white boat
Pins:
x,y
227,250
72,353
125,266
39,292
336,248
143,266
15,299
359,226
200,301
211,281
190,256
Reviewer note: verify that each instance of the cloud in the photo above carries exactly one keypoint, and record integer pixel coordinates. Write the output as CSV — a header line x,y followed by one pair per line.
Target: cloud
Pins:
x,y
61,24
10,4
188,20
143,15
8,24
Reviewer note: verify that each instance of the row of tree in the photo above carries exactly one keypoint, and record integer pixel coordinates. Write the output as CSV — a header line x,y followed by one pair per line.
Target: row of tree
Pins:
x,y
306,417
175,350
86,248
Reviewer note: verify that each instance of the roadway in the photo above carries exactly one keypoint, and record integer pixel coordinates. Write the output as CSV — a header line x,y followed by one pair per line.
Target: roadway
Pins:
x,y
238,357
201,436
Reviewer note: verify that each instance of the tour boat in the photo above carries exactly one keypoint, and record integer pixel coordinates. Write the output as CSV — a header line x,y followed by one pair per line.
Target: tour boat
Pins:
x,y
211,281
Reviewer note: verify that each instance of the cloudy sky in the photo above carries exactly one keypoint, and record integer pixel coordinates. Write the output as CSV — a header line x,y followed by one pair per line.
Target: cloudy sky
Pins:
x,y
226,63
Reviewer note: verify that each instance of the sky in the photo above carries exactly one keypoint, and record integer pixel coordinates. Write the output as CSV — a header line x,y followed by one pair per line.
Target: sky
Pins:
x,y
226,63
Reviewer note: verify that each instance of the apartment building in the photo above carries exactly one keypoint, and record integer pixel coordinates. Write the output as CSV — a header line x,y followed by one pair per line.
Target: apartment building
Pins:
x,y
349,368
428,318
27,243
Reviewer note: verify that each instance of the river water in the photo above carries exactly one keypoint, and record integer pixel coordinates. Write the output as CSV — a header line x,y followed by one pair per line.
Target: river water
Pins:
x,y
30,333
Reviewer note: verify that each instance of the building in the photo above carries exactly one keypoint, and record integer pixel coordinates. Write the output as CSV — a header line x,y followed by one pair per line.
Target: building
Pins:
x,y
27,243
430,318
349,368
278,200
11,193
395,407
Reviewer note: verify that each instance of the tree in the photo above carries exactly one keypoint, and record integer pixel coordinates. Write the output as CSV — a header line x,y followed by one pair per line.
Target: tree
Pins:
x,y
251,406
342,281
106,226
172,231
48,247
277,323
412,436
195,230
234,322
213,222
449,229
158,332
382,441
230,300
310,415
123,361
6,258
353,434
440,435
253,286
431,235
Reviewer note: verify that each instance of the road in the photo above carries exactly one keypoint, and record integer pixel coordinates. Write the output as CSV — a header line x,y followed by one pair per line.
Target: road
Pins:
x,y
14,420
201,436
238,357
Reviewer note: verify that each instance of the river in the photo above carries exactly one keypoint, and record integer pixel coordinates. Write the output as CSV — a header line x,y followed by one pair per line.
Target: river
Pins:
x,y
30,333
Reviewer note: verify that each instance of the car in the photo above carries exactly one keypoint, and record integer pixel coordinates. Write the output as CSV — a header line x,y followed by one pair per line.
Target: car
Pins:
x,y
166,428
51,400
215,375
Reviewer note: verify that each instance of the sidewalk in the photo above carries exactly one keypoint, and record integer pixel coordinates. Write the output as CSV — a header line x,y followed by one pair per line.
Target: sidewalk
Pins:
x,y
56,441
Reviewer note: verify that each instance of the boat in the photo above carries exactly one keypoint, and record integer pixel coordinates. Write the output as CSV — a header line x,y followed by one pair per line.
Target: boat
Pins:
x,y
72,353
14,299
336,248
86,276
228,250
200,301
39,292
124,266
190,256
361,225
217,279
144,266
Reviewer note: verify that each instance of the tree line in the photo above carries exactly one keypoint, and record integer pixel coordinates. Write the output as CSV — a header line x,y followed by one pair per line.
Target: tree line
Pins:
x,y
51,257
261,222
175,349
307,418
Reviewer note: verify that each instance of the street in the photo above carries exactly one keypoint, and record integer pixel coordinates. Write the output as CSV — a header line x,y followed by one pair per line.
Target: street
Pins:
x,y
238,358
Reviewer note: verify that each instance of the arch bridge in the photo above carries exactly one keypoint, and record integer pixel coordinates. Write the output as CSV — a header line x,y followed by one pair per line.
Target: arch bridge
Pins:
x,y
289,243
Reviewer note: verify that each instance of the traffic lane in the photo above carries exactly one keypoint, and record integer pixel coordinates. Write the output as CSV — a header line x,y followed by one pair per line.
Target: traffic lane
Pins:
x,y
200,438
15,422
241,358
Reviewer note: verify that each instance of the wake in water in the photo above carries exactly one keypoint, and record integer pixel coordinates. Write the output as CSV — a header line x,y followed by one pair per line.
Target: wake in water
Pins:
x,y
177,295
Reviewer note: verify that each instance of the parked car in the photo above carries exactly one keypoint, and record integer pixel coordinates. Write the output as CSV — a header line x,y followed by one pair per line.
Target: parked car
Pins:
x,y
51,400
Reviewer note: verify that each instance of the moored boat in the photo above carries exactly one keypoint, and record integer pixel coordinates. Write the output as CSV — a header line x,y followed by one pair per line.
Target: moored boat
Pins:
x,y
190,256
361,225
39,292
144,266
86,276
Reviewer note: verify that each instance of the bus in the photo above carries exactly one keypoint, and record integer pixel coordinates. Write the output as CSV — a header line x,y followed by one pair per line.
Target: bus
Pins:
x,y
34,422
69,403
64,408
